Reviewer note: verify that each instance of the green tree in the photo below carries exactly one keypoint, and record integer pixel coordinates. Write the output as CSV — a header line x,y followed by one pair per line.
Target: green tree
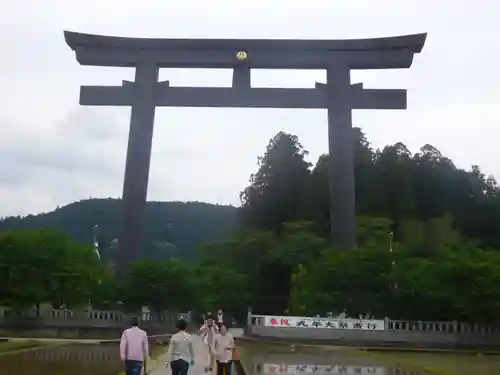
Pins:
x,y
278,191
358,282
106,293
394,184
222,287
249,253
298,297
430,236
161,285
455,284
46,266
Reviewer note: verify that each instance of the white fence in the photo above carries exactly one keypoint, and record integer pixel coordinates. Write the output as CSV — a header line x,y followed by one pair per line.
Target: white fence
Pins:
x,y
64,317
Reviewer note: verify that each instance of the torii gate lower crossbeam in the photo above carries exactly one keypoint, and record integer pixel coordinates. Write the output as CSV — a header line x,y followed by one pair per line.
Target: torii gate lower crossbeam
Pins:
x,y
338,96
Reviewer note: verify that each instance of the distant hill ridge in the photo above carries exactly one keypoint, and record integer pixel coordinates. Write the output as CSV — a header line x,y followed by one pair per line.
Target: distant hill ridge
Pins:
x,y
184,225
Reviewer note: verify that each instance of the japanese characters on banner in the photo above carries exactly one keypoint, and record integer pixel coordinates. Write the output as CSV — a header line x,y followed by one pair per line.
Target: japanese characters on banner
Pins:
x,y
284,369
331,323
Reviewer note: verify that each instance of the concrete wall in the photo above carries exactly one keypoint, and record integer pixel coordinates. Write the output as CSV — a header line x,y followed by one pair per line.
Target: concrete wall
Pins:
x,y
377,338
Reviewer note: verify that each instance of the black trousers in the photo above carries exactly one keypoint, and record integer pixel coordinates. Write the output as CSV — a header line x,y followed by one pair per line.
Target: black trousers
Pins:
x,y
179,367
224,368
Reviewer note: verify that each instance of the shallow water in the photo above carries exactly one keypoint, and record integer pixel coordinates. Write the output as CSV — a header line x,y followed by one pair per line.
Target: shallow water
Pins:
x,y
450,363
277,361
259,360
64,360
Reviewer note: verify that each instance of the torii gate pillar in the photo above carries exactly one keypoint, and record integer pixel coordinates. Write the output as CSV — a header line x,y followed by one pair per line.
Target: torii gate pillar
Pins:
x,y
341,150
135,184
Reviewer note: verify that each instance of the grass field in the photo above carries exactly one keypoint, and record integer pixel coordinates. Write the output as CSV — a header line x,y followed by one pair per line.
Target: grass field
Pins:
x,y
10,346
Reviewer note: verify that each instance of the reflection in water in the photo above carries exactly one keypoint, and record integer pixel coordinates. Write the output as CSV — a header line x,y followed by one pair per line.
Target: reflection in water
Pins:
x,y
287,369
338,364
297,369
65,360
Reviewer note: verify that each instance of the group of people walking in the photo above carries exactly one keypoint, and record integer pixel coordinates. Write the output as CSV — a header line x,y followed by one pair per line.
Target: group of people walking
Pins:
x,y
216,347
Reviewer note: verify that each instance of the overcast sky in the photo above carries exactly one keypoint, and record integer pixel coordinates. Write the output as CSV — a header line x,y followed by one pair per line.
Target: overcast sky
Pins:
x,y
54,152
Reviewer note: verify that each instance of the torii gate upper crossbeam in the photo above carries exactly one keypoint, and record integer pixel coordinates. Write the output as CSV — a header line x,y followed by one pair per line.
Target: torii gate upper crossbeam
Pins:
x,y
376,53
314,98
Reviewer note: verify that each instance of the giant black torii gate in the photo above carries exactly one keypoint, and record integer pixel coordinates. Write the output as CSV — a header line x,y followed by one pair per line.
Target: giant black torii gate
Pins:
x,y
337,95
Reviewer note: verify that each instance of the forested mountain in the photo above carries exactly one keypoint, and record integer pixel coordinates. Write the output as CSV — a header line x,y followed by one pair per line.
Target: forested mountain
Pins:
x,y
172,228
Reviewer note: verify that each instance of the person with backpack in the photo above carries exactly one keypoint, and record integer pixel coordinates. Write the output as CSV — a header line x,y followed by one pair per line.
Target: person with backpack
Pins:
x,y
134,349
180,352
208,332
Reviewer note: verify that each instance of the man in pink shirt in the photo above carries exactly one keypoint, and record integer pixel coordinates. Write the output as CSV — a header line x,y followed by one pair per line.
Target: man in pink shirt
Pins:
x,y
134,349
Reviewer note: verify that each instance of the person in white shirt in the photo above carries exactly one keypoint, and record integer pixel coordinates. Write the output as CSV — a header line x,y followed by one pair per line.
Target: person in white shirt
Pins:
x,y
223,348
208,332
180,351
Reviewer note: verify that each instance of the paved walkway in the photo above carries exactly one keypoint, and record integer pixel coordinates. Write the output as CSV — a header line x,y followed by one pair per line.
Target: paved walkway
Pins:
x,y
157,367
